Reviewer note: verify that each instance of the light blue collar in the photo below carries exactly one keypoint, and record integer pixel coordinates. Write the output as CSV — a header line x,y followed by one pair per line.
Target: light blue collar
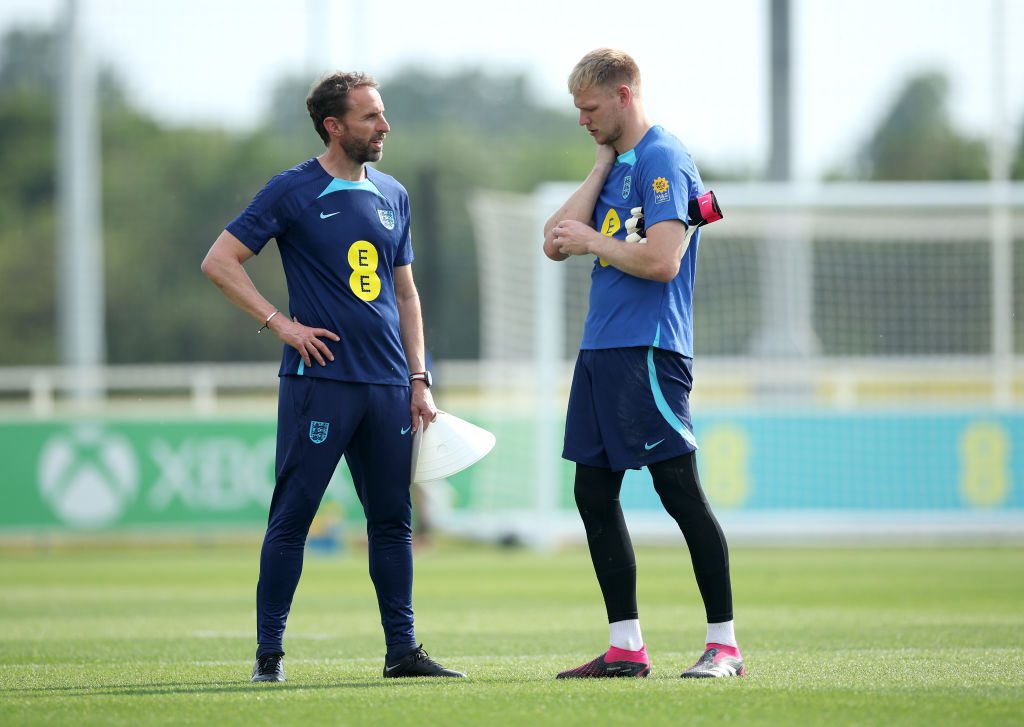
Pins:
x,y
342,185
628,157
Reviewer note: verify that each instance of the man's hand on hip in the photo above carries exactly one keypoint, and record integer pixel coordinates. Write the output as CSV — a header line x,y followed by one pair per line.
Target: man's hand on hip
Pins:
x,y
305,340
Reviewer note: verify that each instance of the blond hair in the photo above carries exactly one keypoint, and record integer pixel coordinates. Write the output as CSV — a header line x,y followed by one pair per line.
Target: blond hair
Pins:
x,y
605,67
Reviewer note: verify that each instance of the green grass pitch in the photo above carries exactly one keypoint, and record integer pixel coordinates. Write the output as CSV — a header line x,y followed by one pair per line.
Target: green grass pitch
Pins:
x,y
831,636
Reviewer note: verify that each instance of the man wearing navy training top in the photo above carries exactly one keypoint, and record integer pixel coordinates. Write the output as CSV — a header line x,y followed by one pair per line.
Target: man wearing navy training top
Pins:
x,y
629,401
352,378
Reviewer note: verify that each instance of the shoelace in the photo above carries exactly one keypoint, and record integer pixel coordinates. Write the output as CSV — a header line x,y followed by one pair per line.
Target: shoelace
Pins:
x,y
269,662
421,655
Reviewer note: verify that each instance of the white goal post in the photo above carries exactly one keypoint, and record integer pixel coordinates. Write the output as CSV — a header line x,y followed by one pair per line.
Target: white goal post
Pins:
x,y
857,317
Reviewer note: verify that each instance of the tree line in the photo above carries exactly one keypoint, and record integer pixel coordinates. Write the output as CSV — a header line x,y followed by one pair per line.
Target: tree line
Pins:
x,y
168,191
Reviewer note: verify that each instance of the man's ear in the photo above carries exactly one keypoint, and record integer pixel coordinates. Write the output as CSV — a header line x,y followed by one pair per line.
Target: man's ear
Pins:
x,y
333,126
624,94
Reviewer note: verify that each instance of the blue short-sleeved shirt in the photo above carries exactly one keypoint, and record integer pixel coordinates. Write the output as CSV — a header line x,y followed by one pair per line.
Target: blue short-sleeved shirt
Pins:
x,y
340,242
659,175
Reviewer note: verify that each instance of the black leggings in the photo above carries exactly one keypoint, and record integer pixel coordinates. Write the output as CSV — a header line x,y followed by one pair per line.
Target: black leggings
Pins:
x,y
678,485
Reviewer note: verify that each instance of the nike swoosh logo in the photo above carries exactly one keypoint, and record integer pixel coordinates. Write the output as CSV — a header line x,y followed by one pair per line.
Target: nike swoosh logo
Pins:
x,y
391,668
405,430
649,447
324,217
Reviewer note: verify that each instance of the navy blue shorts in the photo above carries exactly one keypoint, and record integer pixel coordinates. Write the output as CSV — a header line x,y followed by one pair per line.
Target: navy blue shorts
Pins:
x,y
629,407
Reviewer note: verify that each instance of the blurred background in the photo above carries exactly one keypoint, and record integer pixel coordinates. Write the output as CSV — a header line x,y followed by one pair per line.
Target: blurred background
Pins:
x,y
859,314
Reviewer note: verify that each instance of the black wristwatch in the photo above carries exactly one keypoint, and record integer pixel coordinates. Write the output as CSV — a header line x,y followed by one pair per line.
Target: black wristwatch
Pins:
x,y
423,376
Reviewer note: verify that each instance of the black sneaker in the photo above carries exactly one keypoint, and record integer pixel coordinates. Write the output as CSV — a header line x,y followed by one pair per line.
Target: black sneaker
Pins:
x,y
418,664
269,668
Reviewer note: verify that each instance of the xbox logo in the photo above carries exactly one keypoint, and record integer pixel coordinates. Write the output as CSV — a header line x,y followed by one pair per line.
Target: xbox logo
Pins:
x,y
88,476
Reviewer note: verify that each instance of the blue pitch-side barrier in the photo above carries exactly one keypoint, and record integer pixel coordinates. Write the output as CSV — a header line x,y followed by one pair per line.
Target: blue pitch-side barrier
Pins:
x,y
882,461
794,475
777,474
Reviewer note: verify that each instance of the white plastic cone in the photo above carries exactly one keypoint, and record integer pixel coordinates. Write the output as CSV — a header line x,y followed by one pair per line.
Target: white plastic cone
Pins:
x,y
449,445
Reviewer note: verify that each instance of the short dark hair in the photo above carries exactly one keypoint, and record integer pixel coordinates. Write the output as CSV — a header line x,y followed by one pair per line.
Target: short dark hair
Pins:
x,y
329,97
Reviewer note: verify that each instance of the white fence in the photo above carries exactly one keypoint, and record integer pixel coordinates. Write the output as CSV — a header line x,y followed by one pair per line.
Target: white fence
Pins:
x,y
859,368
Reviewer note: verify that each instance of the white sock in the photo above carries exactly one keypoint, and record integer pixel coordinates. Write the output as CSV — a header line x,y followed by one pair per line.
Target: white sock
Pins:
x,y
722,633
626,635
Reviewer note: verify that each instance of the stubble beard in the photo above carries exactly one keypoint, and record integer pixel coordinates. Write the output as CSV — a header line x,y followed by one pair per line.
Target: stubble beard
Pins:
x,y
611,137
360,151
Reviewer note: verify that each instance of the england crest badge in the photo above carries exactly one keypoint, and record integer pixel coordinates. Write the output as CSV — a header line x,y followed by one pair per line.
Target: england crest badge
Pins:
x,y
318,431
387,218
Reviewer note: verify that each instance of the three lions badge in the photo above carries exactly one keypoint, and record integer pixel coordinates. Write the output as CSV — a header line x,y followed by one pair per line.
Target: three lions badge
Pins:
x,y
318,431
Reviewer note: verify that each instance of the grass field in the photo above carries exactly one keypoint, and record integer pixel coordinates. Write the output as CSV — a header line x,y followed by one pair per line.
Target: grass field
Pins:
x,y
831,636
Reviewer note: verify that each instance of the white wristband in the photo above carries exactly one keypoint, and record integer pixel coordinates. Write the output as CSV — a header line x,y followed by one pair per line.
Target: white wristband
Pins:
x,y
266,323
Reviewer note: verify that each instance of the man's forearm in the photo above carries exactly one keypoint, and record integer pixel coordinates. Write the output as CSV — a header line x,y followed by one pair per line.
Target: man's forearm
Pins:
x,y
237,286
410,326
579,207
581,203
657,259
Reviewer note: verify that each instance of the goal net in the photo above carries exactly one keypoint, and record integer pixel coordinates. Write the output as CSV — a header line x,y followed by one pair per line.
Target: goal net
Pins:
x,y
858,364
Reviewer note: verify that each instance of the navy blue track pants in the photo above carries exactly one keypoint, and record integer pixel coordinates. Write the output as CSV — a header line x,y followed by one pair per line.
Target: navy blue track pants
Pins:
x,y
319,420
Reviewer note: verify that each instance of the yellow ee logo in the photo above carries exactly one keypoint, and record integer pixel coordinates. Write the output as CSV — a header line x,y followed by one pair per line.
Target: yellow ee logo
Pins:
x,y
985,477
660,185
726,476
609,227
611,224
364,281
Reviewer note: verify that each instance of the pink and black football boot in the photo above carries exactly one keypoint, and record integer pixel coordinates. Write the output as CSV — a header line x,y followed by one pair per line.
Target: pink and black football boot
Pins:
x,y
613,663
718,660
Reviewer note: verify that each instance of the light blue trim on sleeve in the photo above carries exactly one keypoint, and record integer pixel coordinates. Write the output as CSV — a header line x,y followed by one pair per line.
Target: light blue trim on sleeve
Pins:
x,y
342,185
302,367
659,397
